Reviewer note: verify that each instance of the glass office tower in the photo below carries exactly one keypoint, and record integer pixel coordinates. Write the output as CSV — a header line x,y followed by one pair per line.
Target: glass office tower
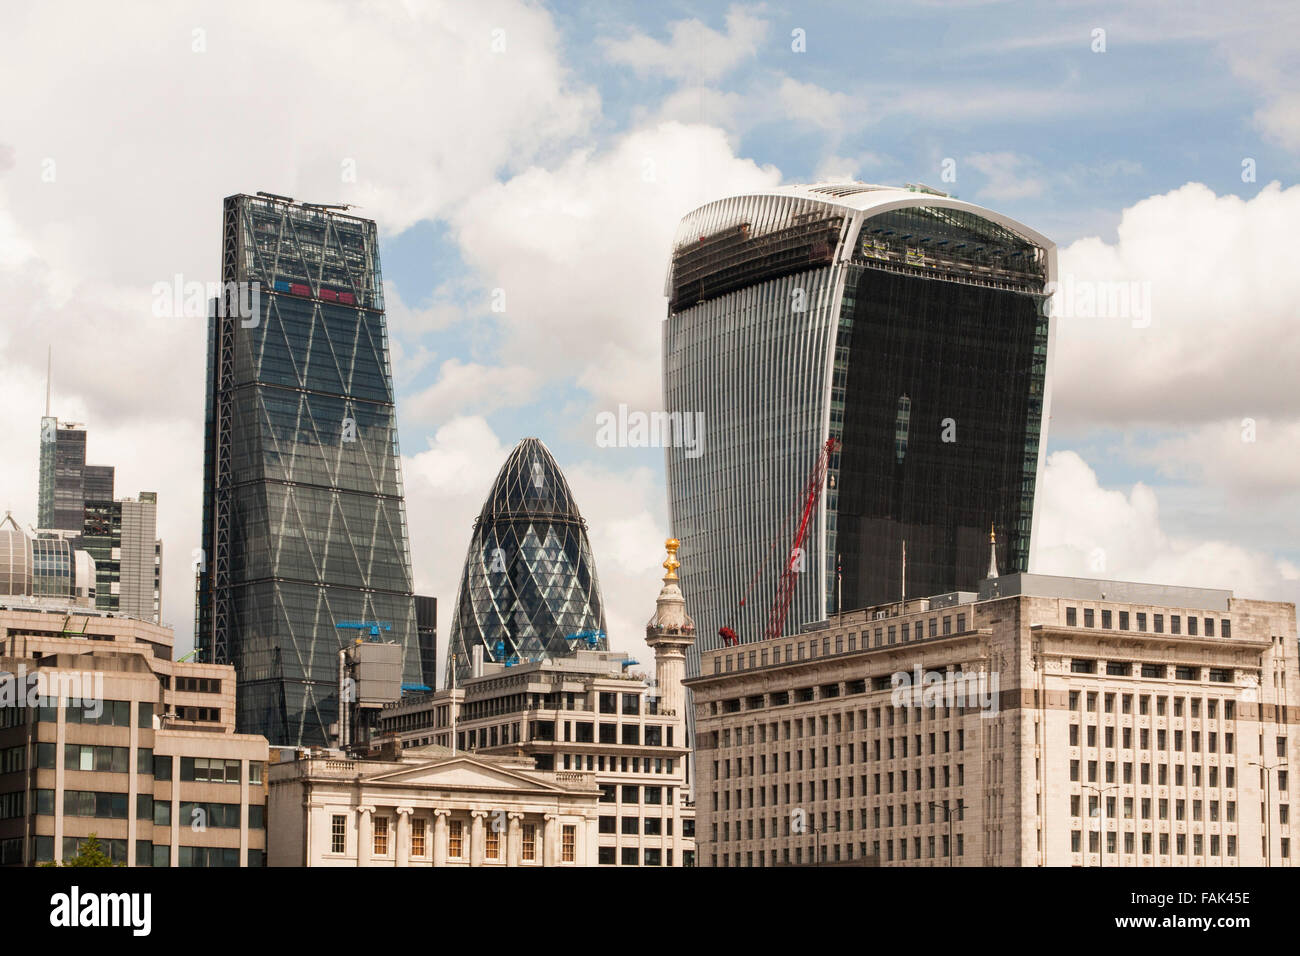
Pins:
x,y
61,494
529,590
304,521
906,323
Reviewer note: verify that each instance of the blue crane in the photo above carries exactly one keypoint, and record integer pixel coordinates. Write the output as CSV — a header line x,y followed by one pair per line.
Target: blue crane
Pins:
x,y
374,627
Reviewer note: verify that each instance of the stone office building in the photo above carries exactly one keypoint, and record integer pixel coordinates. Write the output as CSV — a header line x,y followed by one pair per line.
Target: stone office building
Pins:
x,y
1043,721
102,733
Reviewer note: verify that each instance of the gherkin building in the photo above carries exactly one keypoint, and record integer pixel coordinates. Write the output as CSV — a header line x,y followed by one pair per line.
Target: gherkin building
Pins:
x,y
529,590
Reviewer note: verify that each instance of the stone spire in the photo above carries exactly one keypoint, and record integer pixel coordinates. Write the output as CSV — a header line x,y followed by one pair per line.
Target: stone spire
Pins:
x,y
669,633
993,554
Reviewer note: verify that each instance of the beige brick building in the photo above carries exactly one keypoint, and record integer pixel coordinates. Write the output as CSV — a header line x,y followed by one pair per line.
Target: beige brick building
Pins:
x,y
1062,721
122,742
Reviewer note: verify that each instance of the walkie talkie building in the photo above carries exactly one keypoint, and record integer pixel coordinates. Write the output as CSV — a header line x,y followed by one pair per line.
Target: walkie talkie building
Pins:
x,y
908,324
304,521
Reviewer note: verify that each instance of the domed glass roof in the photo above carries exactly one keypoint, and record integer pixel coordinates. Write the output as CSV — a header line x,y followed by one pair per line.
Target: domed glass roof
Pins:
x,y
529,590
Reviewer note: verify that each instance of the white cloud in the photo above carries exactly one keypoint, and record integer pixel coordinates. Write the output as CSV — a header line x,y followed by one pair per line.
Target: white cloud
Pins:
x,y
1008,176
581,251
466,386
147,136
839,169
1222,335
695,50
1091,531
816,105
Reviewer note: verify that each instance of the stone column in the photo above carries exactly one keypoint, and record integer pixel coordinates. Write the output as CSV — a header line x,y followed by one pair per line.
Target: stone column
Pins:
x,y
403,854
365,835
476,838
440,837
589,852
514,840
551,842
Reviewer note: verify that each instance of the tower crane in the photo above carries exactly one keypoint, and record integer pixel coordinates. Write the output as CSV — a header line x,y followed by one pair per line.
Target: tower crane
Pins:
x,y
785,586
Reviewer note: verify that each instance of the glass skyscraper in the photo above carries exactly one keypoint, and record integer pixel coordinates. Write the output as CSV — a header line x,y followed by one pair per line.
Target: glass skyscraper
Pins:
x,y
909,325
304,520
529,590
61,495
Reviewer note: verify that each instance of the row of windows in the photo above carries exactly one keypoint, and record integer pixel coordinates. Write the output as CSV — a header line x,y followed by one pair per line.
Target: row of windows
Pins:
x,y
199,685
836,723
1139,619
844,788
106,713
635,826
808,650
1162,774
1228,843
597,763
800,821
834,852
1218,675
1180,738
631,856
1161,807
1181,705
894,748
208,770
457,839
653,796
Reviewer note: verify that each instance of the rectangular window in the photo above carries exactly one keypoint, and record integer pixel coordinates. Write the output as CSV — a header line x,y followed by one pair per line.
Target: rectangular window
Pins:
x,y
418,828
381,836
454,842
569,844
530,842
338,833
492,843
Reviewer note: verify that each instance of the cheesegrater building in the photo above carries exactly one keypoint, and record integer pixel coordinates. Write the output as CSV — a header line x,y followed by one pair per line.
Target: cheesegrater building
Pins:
x,y
529,590
907,324
304,521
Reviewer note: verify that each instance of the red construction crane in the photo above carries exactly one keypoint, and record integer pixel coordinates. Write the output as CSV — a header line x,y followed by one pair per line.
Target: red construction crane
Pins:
x,y
785,588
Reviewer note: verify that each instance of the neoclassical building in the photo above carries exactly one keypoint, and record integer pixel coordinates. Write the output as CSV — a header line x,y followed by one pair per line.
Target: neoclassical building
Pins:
x,y
426,806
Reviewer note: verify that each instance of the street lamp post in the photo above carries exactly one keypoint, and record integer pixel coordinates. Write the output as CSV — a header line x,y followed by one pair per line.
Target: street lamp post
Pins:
x,y
1268,804
1101,809
817,842
947,816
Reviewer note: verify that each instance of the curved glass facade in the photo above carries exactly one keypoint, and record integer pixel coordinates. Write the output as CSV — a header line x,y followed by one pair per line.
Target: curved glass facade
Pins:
x,y
304,516
529,590
873,315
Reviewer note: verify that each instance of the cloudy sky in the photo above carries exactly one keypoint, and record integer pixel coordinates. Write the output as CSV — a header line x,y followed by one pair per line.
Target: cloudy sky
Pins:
x,y
540,156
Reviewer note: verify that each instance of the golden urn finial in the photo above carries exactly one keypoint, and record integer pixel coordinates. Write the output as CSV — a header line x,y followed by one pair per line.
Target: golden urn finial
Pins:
x,y
672,564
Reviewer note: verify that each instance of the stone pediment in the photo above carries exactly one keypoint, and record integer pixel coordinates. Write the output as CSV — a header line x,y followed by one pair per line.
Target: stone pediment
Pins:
x,y
463,772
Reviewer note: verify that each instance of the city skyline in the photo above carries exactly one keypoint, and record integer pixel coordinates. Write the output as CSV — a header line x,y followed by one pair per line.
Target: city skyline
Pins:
x,y
1186,472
